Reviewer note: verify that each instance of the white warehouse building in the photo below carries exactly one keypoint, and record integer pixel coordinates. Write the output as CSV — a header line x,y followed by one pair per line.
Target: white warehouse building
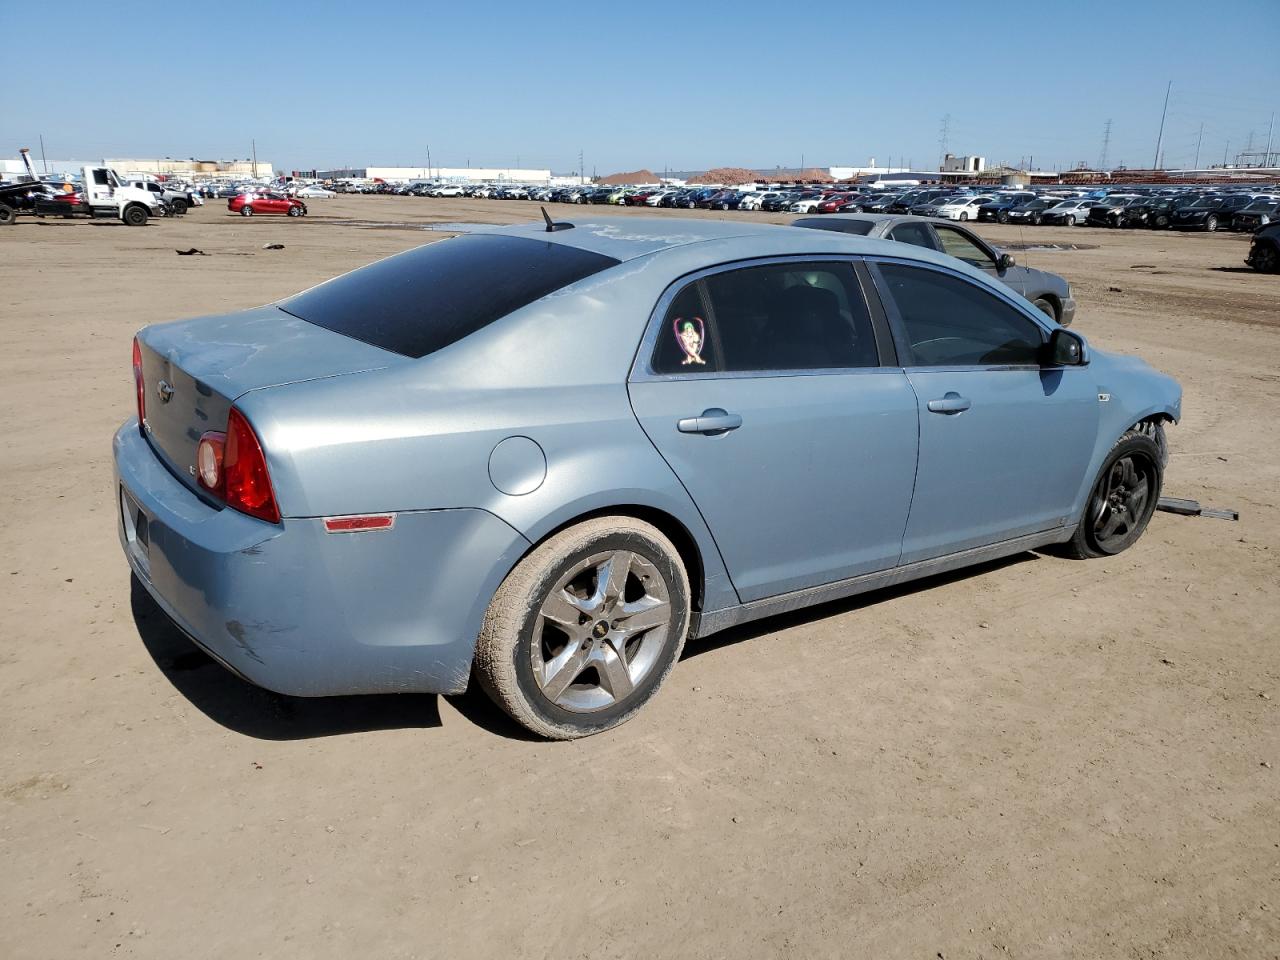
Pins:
x,y
459,174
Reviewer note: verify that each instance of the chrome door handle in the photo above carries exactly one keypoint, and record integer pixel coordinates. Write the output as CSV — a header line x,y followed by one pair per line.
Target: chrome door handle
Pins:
x,y
713,421
952,402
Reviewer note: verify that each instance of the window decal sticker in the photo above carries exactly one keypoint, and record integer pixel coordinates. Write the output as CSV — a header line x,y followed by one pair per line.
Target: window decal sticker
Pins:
x,y
691,335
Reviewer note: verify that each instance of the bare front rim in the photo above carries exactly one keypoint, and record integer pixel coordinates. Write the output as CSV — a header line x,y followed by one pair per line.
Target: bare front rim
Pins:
x,y
600,631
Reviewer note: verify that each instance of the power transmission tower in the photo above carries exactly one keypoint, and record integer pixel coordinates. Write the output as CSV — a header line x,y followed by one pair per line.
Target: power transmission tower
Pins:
x,y
944,139
1106,145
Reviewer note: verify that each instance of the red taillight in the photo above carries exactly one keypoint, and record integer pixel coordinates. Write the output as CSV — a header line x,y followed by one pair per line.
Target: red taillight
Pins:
x,y
246,485
138,386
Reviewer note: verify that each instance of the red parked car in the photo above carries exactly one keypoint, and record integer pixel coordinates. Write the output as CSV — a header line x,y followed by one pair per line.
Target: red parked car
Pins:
x,y
833,202
247,204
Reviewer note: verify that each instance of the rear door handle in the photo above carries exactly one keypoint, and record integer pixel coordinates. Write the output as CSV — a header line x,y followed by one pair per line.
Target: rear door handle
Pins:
x,y
713,421
952,402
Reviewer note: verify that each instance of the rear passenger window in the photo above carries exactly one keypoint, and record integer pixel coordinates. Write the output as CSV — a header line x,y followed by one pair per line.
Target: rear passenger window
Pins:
x,y
807,316
953,322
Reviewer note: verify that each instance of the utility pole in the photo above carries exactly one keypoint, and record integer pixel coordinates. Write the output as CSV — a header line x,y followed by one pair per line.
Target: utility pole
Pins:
x,y
1199,140
1266,160
1225,151
580,178
1160,137
430,175
1106,145
255,158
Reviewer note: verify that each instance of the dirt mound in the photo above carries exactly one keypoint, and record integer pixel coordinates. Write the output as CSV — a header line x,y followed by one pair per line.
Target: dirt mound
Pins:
x,y
729,176
636,176
808,175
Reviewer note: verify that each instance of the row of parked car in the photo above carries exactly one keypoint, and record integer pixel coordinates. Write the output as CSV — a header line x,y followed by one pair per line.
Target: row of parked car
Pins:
x,y
1154,208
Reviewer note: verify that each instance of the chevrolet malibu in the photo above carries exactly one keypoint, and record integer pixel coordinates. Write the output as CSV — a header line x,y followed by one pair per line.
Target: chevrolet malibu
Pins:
x,y
543,457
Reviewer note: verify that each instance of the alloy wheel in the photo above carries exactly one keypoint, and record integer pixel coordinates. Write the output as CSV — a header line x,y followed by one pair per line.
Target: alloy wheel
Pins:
x,y
600,631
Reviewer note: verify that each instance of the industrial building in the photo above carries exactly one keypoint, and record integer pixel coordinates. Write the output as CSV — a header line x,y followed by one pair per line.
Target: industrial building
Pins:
x,y
167,167
953,164
447,174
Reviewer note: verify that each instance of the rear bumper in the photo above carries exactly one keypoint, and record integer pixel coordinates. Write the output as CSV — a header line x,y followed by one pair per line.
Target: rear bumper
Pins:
x,y
303,612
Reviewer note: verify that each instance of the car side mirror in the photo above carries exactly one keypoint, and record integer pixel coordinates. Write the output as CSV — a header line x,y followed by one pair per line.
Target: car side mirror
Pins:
x,y
1004,262
1066,348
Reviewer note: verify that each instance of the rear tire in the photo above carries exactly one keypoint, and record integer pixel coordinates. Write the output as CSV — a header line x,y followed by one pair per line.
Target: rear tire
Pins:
x,y
8,215
554,650
1123,497
1265,259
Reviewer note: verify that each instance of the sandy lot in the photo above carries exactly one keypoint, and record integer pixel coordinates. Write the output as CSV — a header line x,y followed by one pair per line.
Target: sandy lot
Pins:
x,y
1036,758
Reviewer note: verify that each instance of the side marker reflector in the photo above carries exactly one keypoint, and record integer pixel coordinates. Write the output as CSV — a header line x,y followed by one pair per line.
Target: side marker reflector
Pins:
x,y
371,521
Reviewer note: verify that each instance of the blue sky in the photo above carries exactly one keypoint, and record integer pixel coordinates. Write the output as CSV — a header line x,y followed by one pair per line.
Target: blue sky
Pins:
x,y
674,85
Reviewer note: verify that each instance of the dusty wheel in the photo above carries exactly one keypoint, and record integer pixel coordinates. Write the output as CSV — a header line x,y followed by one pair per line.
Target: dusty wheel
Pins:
x,y
1265,259
1123,497
584,630
135,216
246,211
1161,220
964,215
1002,216
1211,223
7,215
1046,307
177,208
295,211
1070,220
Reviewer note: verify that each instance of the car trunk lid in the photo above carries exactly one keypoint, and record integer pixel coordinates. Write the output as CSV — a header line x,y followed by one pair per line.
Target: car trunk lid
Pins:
x,y
194,370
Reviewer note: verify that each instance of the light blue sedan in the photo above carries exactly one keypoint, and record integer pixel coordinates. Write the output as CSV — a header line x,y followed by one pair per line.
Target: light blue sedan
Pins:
x,y
544,456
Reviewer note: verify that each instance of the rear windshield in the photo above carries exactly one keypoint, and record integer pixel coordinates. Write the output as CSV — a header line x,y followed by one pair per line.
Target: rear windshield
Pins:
x,y
859,227
420,301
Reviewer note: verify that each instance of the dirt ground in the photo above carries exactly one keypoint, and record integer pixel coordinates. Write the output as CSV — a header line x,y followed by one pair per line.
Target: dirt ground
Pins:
x,y
1036,758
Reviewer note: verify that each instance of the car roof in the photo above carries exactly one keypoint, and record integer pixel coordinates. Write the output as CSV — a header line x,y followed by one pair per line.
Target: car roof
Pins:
x,y
625,238
694,244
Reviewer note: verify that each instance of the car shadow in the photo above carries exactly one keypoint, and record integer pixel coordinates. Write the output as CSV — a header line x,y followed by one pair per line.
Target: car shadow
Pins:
x,y
240,706
264,715
1234,269
796,618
